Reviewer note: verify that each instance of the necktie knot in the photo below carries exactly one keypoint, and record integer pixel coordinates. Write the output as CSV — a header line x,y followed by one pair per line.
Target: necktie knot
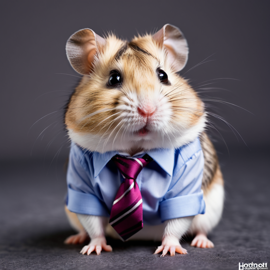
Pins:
x,y
131,167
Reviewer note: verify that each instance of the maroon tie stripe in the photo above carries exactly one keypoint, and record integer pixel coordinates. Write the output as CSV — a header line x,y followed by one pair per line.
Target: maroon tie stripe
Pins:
x,y
127,211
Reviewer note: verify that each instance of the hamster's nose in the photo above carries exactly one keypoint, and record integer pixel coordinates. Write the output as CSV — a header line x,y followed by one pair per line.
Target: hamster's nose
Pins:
x,y
146,111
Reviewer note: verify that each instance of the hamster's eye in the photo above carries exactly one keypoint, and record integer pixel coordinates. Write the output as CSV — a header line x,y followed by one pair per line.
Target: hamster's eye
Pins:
x,y
162,75
115,79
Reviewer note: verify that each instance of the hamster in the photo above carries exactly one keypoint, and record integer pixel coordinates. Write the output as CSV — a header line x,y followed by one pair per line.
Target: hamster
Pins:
x,y
131,99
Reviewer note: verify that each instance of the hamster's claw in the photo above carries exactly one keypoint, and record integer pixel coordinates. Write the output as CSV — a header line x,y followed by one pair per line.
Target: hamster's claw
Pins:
x,y
170,244
89,249
97,244
172,249
202,241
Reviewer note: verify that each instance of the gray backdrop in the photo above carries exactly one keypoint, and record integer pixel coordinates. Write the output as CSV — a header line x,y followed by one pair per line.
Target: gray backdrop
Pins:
x,y
36,79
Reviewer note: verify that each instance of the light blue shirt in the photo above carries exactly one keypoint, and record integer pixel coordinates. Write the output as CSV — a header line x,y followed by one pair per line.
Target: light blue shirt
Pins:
x,y
170,185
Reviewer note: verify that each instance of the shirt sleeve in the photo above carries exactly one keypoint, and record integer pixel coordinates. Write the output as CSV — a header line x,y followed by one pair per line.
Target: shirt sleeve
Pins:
x,y
82,197
185,196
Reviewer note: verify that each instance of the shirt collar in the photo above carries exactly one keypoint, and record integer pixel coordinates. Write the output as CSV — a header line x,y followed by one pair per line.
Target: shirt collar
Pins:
x,y
163,157
100,160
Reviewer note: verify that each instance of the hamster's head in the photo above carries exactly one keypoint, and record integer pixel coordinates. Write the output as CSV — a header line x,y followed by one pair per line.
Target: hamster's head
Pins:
x,y
130,97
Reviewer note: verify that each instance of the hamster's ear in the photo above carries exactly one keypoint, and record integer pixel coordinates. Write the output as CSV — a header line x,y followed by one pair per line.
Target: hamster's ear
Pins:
x,y
81,49
173,41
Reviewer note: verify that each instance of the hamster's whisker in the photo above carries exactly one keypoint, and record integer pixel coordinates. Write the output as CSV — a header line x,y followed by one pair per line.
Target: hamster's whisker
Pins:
x,y
52,140
175,88
187,109
111,122
176,98
124,132
211,125
81,95
118,132
104,120
126,127
206,91
204,61
71,75
211,88
212,100
94,113
105,143
107,129
57,153
216,79
83,107
41,119
225,102
54,123
49,92
173,94
204,84
233,129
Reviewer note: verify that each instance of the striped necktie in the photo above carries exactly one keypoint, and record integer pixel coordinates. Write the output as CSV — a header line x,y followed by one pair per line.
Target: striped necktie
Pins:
x,y
127,211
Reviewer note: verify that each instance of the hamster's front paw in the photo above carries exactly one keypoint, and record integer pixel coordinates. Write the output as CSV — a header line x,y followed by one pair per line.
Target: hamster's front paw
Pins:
x,y
96,244
170,243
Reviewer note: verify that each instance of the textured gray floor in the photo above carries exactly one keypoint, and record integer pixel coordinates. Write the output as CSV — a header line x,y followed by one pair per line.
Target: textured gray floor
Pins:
x,y
33,224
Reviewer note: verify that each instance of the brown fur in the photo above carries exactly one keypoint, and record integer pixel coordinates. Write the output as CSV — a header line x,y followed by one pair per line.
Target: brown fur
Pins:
x,y
212,173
